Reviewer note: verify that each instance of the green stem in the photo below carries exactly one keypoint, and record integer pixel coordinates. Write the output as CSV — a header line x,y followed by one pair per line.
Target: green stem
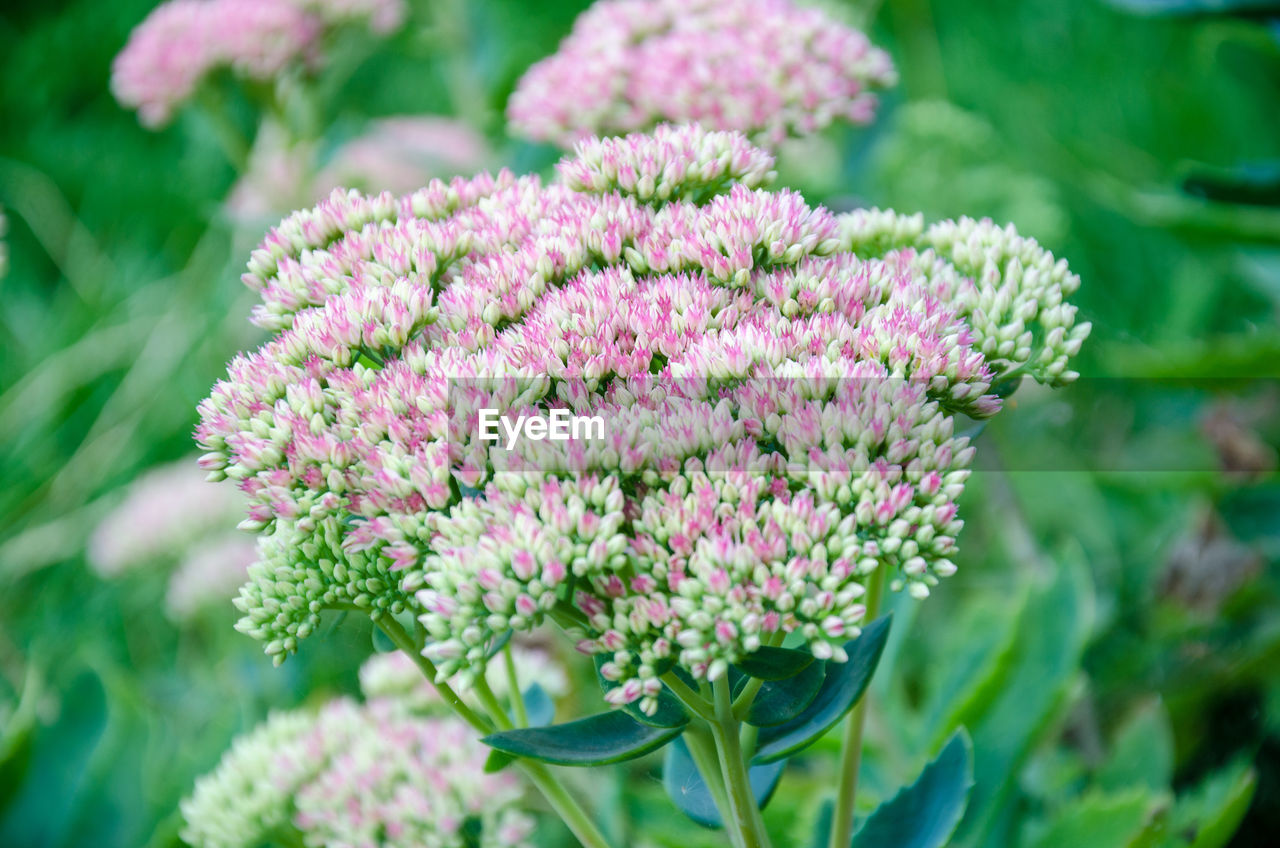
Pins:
x,y
742,802
569,810
466,89
691,699
396,633
851,754
234,145
513,686
702,748
564,804
748,738
491,705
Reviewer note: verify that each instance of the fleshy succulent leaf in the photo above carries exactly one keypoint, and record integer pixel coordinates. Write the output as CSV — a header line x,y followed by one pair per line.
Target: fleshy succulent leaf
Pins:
x,y
687,788
610,737
924,814
841,688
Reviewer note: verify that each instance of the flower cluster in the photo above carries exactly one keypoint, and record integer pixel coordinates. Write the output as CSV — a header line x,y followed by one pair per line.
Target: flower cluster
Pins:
x,y
393,154
373,773
184,41
171,515
778,387
768,68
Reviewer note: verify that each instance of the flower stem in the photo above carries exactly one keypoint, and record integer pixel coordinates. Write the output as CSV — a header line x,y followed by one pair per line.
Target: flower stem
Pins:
x,y
569,810
742,802
851,753
702,748
513,686
695,703
489,701
396,633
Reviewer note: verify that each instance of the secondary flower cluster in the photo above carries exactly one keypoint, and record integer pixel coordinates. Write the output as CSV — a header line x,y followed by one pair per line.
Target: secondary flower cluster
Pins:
x,y
778,387
768,68
184,41
357,774
173,516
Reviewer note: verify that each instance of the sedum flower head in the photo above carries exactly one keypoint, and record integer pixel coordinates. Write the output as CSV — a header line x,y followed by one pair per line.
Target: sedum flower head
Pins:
x,y
777,384
768,68
182,42
356,774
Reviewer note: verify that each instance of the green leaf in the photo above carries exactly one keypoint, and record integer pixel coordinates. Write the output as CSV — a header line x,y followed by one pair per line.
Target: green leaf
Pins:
x,y
981,646
1208,815
1244,8
842,686
1142,754
767,663
1254,183
382,643
687,788
541,711
822,825
609,737
924,814
1051,636
538,706
1099,821
782,700
670,712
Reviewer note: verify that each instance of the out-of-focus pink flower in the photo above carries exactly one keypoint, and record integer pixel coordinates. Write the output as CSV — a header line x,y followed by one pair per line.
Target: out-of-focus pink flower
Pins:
x,y
166,511
401,153
183,41
768,68
210,574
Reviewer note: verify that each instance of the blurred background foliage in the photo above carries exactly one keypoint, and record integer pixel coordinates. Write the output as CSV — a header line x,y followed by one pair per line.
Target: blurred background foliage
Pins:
x,y
1112,640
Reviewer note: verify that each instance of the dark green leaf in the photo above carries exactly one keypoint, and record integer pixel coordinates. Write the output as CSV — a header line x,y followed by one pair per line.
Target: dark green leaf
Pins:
x,y
610,737
1244,8
924,814
822,827
684,783
768,663
1210,813
1006,387
670,712
541,711
842,687
1257,184
782,700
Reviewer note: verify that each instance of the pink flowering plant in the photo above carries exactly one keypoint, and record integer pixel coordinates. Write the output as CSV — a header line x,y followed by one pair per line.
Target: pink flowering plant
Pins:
x,y
774,399
771,69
